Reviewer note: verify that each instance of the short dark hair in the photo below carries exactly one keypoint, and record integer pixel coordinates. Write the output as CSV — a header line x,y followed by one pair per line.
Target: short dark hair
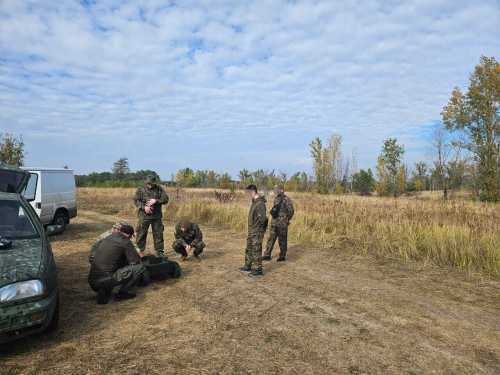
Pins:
x,y
184,223
251,187
127,229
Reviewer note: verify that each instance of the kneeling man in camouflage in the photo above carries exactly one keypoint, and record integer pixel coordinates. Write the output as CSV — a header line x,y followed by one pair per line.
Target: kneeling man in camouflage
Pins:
x,y
115,263
188,237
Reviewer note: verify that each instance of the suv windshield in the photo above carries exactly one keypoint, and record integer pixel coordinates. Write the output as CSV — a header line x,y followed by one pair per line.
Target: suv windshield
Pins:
x,y
14,222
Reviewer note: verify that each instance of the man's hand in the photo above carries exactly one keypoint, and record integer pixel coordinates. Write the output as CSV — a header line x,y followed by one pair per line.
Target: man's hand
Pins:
x,y
188,248
141,254
148,210
151,202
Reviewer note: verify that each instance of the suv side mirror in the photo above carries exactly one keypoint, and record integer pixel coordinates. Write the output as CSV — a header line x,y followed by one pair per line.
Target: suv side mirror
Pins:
x,y
50,230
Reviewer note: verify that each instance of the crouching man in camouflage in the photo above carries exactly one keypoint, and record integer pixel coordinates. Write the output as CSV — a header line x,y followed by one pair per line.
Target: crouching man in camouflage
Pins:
x,y
114,229
188,236
257,225
115,262
148,200
281,213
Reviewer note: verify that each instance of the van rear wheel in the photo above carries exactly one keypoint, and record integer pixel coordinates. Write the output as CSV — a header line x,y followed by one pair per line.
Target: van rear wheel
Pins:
x,y
61,218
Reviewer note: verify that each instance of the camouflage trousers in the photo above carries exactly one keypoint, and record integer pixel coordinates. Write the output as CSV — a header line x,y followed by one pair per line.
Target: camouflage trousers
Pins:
x,y
253,251
280,233
126,278
179,247
142,233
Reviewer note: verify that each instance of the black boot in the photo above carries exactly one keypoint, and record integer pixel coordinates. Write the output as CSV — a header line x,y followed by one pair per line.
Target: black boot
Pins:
x,y
266,257
281,259
120,296
256,273
246,269
103,296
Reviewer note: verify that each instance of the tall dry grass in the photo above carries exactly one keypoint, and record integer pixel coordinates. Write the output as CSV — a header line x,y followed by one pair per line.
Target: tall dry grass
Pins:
x,y
458,234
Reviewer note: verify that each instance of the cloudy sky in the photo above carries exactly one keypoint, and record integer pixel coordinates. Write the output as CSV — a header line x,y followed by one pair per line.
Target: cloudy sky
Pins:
x,y
234,84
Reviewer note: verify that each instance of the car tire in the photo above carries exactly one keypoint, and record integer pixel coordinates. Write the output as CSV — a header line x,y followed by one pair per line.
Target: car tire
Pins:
x,y
61,218
54,322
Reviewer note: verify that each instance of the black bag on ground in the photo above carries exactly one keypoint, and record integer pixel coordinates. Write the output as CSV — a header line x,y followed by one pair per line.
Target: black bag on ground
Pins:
x,y
160,268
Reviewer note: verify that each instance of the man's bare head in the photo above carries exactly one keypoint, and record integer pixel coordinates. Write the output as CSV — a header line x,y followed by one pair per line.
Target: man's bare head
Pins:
x,y
184,224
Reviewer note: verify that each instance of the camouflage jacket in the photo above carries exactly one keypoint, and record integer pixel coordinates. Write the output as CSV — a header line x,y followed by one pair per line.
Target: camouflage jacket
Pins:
x,y
286,210
113,252
257,216
192,236
95,245
143,195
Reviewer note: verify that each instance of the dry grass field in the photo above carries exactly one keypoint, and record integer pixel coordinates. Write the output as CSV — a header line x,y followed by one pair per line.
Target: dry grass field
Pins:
x,y
372,286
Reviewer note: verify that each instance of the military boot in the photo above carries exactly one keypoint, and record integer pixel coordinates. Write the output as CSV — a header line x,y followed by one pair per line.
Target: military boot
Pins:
x,y
103,296
256,273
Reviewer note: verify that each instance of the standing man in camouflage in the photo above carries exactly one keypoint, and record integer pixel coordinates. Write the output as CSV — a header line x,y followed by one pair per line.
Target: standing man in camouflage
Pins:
x,y
281,213
257,225
149,200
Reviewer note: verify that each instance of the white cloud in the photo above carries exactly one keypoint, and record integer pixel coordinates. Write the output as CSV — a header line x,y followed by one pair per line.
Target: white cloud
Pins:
x,y
203,69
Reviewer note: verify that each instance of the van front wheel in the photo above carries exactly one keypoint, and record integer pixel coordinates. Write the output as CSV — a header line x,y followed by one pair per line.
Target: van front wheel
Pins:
x,y
61,218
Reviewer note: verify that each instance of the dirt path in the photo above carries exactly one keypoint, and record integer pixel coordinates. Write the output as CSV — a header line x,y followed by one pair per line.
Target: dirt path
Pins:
x,y
323,312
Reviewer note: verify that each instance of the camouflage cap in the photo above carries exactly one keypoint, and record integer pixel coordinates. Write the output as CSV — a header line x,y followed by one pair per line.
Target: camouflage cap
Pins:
x,y
118,225
151,179
127,229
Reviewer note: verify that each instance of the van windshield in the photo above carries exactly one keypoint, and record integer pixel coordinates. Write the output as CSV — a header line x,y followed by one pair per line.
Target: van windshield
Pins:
x,y
15,224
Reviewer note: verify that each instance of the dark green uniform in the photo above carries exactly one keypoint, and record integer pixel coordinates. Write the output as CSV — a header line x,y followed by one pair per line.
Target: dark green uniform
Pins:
x,y
115,263
279,225
257,223
155,219
191,236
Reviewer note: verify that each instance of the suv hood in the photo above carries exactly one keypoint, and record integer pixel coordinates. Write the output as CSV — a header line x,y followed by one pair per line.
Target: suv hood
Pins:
x,y
21,262
12,180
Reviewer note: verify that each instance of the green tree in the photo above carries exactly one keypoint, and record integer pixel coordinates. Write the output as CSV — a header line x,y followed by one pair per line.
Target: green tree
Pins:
x,y
420,176
185,177
225,181
245,177
322,165
476,115
11,149
391,158
363,182
121,168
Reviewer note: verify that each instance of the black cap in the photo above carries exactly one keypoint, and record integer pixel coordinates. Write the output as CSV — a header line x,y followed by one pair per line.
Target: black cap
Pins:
x,y
127,229
251,187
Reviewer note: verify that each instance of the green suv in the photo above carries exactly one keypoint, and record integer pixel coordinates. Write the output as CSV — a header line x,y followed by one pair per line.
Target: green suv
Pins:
x,y
29,295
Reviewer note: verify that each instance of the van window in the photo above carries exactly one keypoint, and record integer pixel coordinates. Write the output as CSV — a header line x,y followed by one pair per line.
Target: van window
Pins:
x,y
30,191
58,182
14,223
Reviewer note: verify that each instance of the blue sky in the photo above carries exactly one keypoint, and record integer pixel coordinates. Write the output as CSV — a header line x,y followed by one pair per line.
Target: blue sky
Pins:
x,y
228,85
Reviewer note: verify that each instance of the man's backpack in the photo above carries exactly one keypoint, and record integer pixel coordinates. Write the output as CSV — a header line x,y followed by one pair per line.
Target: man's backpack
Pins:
x,y
160,268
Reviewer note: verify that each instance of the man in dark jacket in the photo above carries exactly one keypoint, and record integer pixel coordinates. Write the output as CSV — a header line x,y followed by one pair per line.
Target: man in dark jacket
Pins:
x,y
257,225
281,213
149,200
115,263
188,236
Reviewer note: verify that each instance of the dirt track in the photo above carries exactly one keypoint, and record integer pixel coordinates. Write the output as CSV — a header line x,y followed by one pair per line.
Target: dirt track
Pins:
x,y
323,312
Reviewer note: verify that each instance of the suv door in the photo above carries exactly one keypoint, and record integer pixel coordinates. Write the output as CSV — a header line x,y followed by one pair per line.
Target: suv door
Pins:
x,y
12,180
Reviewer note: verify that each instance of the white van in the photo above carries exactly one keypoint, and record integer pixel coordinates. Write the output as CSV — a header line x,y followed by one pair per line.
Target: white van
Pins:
x,y
52,193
